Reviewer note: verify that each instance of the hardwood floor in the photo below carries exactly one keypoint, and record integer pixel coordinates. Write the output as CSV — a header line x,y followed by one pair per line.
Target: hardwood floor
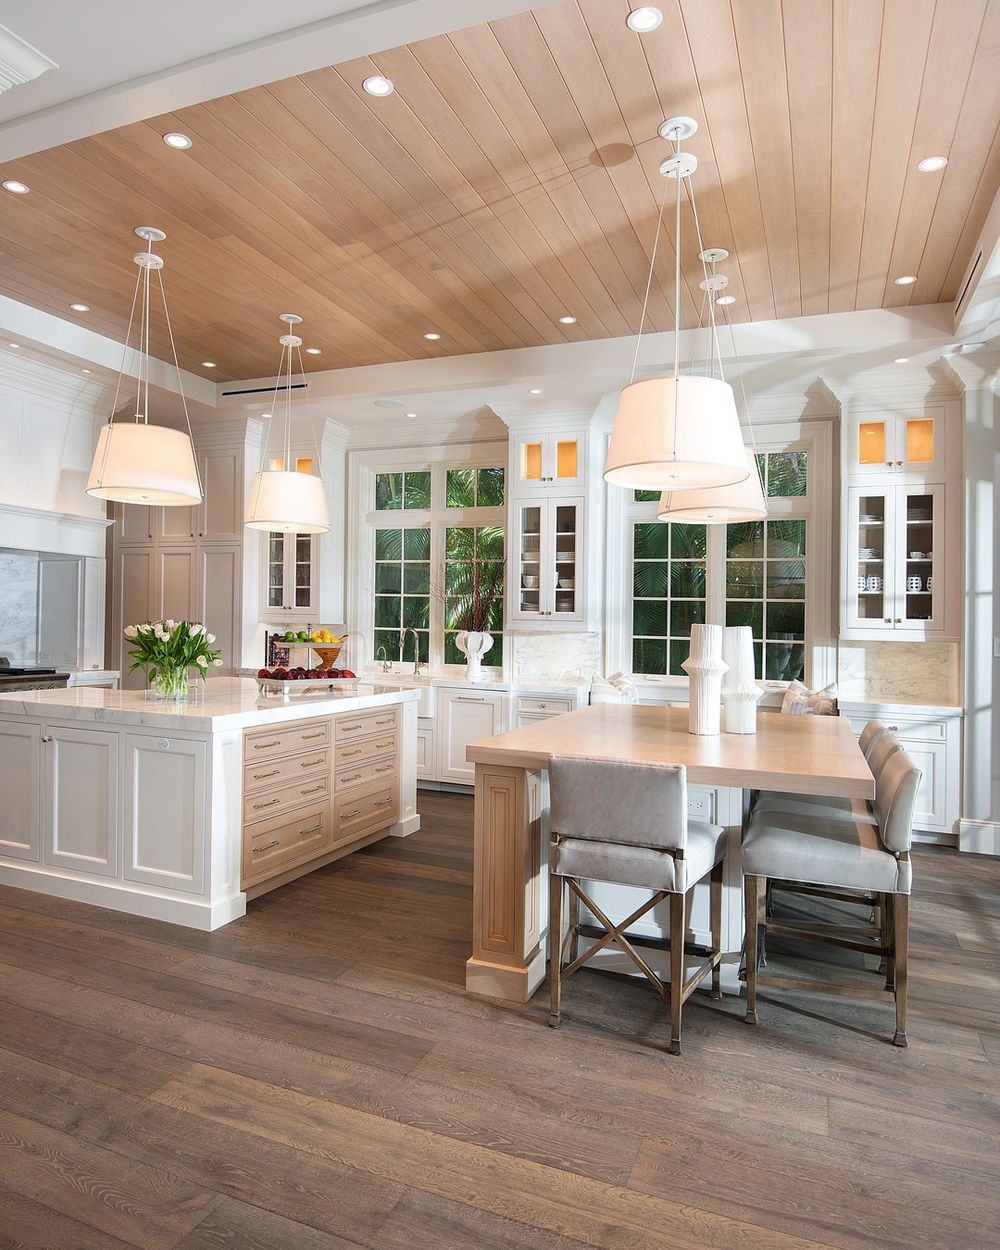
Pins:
x,y
315,1077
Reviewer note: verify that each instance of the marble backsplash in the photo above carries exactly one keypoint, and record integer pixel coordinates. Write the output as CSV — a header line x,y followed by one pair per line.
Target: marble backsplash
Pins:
x,y
922,671
556,657
19,606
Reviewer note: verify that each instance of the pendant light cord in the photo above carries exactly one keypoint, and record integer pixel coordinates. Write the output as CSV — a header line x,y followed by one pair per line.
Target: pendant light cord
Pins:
x,y
180,380
309,411
649,280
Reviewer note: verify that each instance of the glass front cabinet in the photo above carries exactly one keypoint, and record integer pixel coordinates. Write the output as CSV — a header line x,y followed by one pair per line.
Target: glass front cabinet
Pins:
x,y
290,582
884,444
544,461
894,563
546,562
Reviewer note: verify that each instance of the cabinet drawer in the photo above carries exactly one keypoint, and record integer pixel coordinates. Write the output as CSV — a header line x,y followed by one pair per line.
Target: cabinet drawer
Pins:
x,y
903,727
265,744
365,774
377,721
271,802
356,814
267,774
370,748
544,707
273,845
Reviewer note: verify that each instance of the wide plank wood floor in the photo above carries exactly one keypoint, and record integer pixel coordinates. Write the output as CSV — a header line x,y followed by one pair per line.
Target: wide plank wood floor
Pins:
x,y
315,1077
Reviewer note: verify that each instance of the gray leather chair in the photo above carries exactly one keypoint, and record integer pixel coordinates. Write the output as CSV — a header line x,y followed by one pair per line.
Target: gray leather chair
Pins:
x,y
870,732
855,853
628,824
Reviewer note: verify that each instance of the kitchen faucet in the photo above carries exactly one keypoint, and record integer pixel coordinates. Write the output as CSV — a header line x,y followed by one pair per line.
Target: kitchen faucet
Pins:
x,y
386,664
417,662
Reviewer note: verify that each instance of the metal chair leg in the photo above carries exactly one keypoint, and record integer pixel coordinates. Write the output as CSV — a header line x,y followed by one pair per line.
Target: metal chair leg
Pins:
x,y
556,890
753,891
678,928
900,950
715,909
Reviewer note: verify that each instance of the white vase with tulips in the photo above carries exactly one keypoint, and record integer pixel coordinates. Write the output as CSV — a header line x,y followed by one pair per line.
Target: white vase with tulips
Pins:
x,y
165,650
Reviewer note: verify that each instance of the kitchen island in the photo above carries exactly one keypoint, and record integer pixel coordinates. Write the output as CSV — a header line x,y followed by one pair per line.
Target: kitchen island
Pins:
x,y
181,811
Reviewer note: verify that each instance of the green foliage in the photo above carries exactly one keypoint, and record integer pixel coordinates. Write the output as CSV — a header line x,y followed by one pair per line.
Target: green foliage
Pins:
x,y
161,645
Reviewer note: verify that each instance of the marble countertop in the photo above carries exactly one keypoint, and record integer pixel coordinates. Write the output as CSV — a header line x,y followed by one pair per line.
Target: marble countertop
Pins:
x,y
225,703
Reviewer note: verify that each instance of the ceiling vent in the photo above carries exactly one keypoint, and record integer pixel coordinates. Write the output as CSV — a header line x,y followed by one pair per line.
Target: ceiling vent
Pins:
x,y
971,276
269,390
19,61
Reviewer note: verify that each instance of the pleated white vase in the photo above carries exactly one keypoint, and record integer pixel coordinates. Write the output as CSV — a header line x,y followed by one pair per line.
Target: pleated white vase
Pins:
x,y
473,645
740,692
705,668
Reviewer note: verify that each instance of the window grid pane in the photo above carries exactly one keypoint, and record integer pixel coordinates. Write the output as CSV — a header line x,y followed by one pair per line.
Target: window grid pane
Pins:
x,y
668,594
402,590
766,589
474,579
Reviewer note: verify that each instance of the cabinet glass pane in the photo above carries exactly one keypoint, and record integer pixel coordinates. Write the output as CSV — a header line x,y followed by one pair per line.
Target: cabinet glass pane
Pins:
x,y
566,549
920,440
919,557
275,570
871,443
531,462
566,456
530,542
870,549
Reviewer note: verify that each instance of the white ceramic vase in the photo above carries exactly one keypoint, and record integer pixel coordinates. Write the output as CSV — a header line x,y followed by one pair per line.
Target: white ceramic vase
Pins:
x,y
740,692
473,645
705,667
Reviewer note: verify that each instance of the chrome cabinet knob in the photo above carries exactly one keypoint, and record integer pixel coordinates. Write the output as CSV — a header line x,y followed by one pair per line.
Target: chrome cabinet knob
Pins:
x,y
46,737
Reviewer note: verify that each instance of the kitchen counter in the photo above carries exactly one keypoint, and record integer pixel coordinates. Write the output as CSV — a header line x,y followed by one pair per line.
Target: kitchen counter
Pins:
x,y
182,811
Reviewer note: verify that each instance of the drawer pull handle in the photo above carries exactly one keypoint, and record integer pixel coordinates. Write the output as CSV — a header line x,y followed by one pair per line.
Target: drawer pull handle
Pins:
x,y
386,720
353,777
357,726
356,812
260,746
384,744
311,790
345,754
383,802
266,847
321,734
310,763
269,803
386,768
464,698
303,833
260,776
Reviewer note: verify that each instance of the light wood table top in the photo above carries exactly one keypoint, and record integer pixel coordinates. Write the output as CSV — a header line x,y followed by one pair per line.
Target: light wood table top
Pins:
x,y
793,754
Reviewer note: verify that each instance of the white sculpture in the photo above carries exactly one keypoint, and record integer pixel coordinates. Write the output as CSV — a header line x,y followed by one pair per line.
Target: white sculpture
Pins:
x,y
473,645
740,692
705,667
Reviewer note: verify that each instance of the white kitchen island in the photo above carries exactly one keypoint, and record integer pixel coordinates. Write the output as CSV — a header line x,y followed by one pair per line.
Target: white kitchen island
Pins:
x,y
182,811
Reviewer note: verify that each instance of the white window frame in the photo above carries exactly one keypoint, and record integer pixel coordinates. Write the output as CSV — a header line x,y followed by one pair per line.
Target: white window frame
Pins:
x,y
363,467
815,507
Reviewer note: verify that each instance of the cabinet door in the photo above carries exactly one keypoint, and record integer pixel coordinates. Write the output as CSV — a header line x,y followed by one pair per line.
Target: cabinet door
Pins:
x,y
567,456
466,717
219,603
177,585
870,560
20,785
80,799
530,467
566,529
135,597
920,558
165,813
931,809
291,579
527,561
425,753
920,442
177,525
221,513
134,522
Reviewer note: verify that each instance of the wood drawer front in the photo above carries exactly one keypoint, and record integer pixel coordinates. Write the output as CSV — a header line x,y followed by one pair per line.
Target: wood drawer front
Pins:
x,y
273,845
365,774
359,813
544,707
382,720
368,749
271,802
264,744
269,774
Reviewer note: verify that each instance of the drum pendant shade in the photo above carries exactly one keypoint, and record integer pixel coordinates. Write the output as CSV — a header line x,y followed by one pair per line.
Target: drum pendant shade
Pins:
x,y
676,433
149,464
743,501
287,503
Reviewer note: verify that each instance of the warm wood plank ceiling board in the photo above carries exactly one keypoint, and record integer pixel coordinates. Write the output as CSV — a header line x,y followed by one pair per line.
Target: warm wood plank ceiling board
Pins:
x,y
954,40
620,205
958,217
467,125
906,28
808,40
857,35
654,78
712,40
484,56
761,48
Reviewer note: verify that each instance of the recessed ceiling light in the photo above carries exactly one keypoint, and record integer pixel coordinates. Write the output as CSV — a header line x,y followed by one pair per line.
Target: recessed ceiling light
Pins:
x,y
901,360
313,351
432,335
567,320
208,364
80,307
907,279
931,164
377,85
726,299
411,415
86,371
644,19
18,188
535,390
13,344
174,139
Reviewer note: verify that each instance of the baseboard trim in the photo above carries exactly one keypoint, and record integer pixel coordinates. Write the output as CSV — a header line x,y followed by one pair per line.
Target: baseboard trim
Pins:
x,y
979,837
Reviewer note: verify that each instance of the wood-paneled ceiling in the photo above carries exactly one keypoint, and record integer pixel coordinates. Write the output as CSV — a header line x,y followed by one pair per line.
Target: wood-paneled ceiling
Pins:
x,y
513,178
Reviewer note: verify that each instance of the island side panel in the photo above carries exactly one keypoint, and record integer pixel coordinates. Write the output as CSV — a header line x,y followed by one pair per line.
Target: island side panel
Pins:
x,y
507,957
409,820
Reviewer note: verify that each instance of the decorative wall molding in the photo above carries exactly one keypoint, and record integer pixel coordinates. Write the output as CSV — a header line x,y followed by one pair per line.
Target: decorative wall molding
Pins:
x,y
979,837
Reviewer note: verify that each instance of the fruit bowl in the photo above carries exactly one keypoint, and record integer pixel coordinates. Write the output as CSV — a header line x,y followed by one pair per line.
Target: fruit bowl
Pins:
x,y
327,654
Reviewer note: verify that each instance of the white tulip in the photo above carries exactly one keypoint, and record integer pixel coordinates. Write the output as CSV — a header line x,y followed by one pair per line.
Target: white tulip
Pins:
x,y
169,626
131,631
217,662
202,660
195,630
210,638
145,628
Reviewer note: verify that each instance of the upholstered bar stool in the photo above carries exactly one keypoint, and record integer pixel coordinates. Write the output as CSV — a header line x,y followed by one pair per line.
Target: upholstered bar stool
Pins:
x,y
858,855
627,824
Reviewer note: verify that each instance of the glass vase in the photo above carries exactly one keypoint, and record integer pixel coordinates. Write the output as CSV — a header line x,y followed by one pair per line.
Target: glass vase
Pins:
x,y
170,682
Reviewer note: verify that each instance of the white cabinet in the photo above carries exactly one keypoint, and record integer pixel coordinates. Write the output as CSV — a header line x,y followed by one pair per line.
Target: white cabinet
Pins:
x,y
547,461
881,443
80,799
290,582
547,563
20,785
176,583
220,517
465,716
426,761
218,602
165,812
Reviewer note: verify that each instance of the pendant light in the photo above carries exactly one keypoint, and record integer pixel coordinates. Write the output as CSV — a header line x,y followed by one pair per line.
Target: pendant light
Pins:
x,y
675,432
286,500
136,462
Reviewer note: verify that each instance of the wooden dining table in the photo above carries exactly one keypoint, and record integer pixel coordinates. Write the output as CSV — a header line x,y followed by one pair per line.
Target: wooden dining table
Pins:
x,y
815,755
